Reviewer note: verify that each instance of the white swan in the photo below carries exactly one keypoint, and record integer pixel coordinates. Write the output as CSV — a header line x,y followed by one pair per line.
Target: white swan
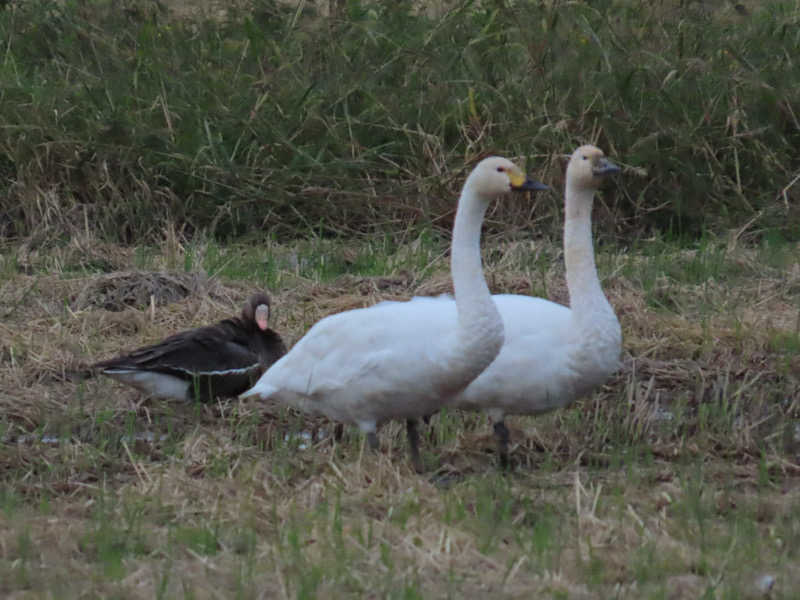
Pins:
x,y
552,354
370,365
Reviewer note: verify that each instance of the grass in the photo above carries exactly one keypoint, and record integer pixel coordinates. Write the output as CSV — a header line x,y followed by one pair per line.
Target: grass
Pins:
x,y
159,161
679,479
267,116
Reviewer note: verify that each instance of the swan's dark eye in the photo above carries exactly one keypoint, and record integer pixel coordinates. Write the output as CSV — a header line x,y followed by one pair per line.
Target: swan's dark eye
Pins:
x,y
500,169
585,157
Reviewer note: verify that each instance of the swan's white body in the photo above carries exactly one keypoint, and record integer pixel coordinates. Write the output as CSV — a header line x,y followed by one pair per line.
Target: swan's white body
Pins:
x,y
371,365
549,357
552,354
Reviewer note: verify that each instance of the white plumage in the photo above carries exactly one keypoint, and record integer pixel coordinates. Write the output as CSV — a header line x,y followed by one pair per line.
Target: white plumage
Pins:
x,y
552,354
157,385
371,365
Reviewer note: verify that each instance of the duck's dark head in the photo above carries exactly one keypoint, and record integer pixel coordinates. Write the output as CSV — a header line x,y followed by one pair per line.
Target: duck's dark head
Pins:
x,y
257,311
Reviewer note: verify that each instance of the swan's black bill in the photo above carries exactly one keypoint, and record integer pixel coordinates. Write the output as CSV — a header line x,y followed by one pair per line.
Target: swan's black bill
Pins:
x,y
605,167
530,185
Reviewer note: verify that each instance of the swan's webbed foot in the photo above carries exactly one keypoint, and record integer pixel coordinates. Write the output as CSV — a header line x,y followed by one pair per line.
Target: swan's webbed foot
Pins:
x,y
413,445
502,435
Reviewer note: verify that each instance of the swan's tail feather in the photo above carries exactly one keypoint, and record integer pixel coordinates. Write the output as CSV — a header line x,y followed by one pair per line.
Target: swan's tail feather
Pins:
x,y
259,390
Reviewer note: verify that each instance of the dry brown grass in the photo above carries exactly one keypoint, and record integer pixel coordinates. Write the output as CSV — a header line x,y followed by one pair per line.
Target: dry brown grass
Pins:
x,y
678,477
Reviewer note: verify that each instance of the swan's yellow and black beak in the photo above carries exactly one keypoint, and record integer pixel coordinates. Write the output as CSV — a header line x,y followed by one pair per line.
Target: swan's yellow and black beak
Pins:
x,y
521,183
602,167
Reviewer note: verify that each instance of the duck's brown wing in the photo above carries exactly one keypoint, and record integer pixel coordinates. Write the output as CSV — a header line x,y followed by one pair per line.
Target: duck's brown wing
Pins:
x,y
216,350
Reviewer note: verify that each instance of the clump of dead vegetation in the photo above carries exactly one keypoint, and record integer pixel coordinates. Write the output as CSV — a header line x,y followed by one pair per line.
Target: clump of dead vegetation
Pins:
x,y
117,291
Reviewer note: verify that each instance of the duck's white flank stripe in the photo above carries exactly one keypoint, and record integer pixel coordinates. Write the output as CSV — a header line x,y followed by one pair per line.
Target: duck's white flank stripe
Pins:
x,y
120,371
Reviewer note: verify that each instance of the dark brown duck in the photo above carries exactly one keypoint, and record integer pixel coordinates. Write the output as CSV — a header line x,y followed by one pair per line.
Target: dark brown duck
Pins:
x,y
218,360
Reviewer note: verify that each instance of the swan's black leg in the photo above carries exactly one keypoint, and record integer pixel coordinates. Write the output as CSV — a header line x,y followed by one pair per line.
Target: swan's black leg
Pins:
x,y
372,439
338,432
431,430
413,444
502,435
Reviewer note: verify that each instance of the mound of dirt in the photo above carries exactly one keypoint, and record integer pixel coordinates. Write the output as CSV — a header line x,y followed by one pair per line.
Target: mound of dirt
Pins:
x,y
139,289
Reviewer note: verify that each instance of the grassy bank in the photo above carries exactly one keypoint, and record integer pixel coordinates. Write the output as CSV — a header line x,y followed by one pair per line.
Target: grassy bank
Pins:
x,y
266,145
679,479
271,118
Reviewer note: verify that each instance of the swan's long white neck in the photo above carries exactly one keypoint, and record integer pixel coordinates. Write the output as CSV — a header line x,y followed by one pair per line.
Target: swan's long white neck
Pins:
x,y
480,327
586,298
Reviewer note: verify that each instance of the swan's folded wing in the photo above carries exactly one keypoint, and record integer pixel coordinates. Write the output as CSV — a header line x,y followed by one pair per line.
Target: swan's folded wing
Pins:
x,y
372,347
533,367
